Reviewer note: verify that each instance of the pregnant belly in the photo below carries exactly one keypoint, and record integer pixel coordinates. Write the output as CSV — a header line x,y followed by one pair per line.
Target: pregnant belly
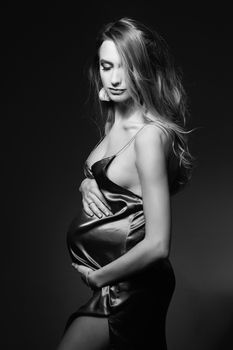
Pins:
x,y
95,242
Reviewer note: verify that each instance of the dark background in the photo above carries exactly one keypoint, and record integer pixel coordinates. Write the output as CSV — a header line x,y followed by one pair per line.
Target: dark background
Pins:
x,y
47,134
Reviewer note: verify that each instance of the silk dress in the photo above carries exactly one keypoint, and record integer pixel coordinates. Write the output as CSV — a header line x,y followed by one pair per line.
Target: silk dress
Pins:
x,y
135,307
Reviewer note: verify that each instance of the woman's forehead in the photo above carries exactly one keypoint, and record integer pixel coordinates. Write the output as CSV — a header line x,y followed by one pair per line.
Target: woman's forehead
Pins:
x,y
108,52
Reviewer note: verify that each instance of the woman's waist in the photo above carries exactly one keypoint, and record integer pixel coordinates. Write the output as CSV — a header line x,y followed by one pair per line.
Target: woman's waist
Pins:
x,y
148,277
156,282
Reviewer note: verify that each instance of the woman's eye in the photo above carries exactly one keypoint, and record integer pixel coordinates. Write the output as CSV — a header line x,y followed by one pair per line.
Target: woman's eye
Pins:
x,y
105,68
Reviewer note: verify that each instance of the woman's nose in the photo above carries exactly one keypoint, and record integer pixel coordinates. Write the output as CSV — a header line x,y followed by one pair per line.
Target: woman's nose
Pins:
x,y
115,78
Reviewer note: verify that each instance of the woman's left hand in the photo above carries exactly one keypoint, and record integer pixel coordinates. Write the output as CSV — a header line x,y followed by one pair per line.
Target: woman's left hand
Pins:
x,y
85,274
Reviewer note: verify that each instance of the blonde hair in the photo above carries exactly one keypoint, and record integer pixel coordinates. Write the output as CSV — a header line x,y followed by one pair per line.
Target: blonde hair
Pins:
x,y
154,85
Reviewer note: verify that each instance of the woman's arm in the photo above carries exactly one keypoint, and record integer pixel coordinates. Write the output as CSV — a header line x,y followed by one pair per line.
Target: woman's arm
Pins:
x,y
151,147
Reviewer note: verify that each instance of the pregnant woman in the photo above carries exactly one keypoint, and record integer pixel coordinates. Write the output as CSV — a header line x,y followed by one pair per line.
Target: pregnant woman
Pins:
x,y
120,242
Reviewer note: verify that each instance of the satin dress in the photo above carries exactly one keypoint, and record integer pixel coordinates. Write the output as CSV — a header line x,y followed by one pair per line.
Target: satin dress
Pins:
x,y
136,307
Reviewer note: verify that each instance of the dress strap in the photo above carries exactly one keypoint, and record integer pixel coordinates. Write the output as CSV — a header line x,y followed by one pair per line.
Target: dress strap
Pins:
x,y
129,142
122,149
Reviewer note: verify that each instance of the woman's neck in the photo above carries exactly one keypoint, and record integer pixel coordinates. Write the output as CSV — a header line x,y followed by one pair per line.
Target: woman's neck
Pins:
x,y
127,113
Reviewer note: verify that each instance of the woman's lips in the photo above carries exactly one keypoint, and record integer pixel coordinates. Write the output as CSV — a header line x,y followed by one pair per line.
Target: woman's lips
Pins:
x,y
116,91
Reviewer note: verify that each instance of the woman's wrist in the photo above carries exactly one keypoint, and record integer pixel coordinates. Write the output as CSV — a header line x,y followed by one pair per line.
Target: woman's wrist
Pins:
x,y
87,276
92,280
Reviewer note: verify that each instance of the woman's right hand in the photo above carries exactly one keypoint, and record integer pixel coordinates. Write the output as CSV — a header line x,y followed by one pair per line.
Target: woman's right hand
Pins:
x,y
91,193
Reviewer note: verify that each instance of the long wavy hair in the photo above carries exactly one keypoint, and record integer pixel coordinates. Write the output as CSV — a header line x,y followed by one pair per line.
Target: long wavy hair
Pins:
x,y
154,85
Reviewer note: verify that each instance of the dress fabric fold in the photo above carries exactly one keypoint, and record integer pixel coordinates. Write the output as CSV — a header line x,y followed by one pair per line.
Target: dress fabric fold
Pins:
x,y
136,308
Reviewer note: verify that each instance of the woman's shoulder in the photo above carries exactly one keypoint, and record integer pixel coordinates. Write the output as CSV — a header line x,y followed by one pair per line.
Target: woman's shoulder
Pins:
x,y
153,135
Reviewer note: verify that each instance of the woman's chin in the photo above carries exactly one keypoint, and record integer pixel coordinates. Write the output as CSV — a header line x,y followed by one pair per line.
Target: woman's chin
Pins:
x,y
119,98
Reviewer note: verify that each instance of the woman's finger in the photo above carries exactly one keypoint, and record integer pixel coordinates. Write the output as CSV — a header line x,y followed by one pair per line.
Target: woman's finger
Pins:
x,y
75,266
92,204
91,208
100,204
91,187
97,206
81,268
93,199
87,209
85,188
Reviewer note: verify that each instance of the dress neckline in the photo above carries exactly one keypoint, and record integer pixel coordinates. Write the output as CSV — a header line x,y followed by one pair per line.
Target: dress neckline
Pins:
x,y
100,160
116,154
104,170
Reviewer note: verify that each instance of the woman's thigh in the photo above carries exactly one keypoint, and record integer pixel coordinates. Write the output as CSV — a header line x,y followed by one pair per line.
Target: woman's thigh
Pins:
x,y
86,333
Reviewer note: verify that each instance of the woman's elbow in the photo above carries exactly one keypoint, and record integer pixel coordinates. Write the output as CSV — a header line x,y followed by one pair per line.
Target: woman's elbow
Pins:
x,y
159,250
164,254
162,250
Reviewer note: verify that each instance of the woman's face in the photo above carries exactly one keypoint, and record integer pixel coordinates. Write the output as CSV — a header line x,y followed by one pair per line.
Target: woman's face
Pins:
x,y
112,72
